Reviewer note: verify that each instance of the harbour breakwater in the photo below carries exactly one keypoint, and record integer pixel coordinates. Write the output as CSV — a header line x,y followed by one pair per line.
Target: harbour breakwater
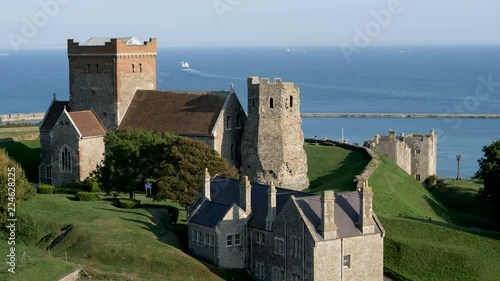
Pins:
x,y
396,115
20,117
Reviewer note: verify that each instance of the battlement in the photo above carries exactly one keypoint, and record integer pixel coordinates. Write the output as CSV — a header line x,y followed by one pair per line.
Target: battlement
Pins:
x,y
254,80
111,46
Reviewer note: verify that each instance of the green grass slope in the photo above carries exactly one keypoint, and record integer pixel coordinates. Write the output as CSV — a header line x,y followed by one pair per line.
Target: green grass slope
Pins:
x,y
424,240
110,242
331,167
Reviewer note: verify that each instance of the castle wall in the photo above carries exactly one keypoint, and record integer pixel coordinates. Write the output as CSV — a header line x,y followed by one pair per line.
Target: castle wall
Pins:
x,y
272,143
105,78
398,151
64,134
91,153
423,155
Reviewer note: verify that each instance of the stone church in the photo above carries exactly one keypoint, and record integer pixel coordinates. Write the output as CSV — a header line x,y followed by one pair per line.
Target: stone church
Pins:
x,y
113,87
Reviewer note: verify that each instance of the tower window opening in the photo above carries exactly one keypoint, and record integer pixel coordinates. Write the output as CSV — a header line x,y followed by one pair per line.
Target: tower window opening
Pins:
x,y
88,68
291,101
253,102
140,67
133,68
271,103
97,68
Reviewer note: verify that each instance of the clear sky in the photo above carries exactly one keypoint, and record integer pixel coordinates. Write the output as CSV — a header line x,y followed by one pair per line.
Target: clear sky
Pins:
x,y
32,24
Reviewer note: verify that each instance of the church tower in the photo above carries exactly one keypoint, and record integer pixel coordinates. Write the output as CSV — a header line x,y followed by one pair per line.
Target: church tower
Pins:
x,y
104,74
273,142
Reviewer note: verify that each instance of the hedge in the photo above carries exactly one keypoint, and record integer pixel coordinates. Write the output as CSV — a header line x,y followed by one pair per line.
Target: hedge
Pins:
x,y
87,185
87,196
45,189
173,214
128,203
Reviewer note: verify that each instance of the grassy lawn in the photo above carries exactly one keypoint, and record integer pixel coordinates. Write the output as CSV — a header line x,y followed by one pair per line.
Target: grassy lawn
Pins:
x,y
460,197
423,240
111,243
331,167
27,154
17,134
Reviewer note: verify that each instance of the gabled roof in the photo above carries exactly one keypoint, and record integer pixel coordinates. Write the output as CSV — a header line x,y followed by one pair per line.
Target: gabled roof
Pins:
x,y
87,124
55,110
101,41
225,192
180,112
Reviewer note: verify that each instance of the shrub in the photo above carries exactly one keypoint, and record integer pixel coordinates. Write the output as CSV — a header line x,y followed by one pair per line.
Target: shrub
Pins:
x,y
46,189
128,203
173,214
91,185
430,182
87,196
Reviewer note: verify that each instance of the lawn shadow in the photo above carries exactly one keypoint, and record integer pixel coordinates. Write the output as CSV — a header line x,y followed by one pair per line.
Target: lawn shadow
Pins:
x,y
27,157
342,178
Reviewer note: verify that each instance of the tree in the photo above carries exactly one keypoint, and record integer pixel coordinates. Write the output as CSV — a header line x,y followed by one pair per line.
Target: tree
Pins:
x,y
183,166
177,163
489,173
131,157
12,176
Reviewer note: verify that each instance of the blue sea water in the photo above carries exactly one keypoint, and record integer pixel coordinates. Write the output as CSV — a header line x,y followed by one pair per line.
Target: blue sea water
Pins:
x,y
420,79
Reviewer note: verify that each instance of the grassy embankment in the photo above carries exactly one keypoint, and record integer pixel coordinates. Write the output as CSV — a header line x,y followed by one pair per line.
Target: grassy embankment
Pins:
x,y
423,240
26,152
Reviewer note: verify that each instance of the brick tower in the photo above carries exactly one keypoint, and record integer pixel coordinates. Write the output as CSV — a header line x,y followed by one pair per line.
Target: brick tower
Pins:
x,y
273,142
104,74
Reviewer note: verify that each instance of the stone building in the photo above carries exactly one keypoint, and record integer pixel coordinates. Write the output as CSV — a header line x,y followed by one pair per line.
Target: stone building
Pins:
x,y
272,145
295,236
416,154
113,80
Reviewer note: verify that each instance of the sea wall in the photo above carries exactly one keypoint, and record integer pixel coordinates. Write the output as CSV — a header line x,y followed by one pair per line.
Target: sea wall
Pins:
x,y
19,117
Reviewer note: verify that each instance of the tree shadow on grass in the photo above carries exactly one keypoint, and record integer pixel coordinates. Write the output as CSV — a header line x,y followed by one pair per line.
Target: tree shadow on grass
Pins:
x,y
342,178
27,157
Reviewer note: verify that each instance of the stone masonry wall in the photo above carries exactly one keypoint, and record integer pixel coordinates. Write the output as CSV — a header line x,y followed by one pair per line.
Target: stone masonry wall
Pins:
x,y
202,250
64,134
91,153
233,223
367,257
272,144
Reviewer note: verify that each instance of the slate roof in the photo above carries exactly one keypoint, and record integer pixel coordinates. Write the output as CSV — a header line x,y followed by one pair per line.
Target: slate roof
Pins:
x,y
53,114
180,112
86,122
224,192
101,41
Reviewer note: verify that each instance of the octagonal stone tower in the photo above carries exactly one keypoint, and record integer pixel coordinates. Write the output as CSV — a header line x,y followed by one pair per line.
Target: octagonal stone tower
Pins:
x,y
273,142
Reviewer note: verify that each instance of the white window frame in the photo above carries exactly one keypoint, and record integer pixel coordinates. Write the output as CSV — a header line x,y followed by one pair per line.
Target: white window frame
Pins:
x,y
237,239
259,270
229,240
279,246
279,274
296,249
207,239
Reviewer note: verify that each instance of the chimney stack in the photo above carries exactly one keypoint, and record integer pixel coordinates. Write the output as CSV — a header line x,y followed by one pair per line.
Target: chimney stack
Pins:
x,y
206,184
328,228
392,134
365,223
271,207
245,195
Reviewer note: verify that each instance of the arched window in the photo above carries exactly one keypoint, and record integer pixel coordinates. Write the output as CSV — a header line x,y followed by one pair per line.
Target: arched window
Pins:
x,y
140,67
97,68
291,101
271,103
65,159
133,68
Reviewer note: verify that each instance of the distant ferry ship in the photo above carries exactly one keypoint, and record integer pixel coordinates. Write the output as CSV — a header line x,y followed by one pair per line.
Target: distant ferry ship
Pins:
x,y
295,50
184,65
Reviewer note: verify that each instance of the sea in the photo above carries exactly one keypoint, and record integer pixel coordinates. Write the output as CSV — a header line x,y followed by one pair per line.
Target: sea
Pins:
x,y
378,79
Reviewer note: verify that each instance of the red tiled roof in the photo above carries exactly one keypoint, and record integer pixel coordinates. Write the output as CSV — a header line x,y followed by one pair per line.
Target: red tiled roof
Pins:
x,y
180,112
86,122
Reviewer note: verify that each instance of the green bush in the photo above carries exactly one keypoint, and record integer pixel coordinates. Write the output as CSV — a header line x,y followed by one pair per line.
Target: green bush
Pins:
x,y
430,182
45,189
128,203
72,191
87,196
91,185
173,214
